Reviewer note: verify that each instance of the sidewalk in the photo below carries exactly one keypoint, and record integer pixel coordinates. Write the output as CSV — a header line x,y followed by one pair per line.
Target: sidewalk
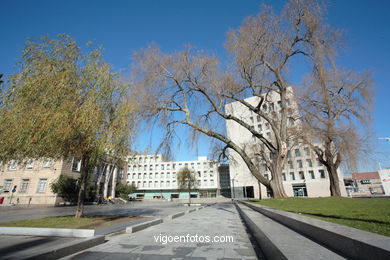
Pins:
x,y
217,220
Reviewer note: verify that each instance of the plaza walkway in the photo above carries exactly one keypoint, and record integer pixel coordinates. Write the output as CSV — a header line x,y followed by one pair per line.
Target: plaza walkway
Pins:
x,y
217,222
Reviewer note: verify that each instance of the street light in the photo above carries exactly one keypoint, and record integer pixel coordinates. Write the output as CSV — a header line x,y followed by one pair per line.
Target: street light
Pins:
x,y
233,180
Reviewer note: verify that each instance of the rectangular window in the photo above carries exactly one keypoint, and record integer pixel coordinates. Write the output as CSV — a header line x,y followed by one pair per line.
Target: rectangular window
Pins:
x,y
168,184
162,166
309,163
266,126
322,174
7,185
292,176
211,182
76,165
173,166
150,175
299,162
13,165
307,151
47,163
42,186
30,164
258,118
290,165
156,184
259,128
284,176
162,184
168,175
266,176
302,175
312,174
297,152
251,118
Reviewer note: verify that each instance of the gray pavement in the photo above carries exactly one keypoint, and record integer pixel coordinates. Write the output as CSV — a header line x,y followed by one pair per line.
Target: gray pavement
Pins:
x,y
131,209
217,220
18,247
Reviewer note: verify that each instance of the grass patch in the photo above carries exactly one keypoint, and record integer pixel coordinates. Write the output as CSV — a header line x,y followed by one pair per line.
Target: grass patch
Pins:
x,y
367,214
87,222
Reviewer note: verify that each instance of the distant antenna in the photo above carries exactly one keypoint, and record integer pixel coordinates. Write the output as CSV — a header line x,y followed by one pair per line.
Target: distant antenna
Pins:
x,y
384,138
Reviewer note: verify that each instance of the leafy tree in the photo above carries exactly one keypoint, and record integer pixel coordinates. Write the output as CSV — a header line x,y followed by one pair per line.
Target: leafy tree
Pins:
x,y
186,180
190,88
65,103
66,187
124,190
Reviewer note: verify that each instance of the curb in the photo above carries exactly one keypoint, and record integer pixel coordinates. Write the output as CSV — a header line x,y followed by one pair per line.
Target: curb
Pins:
x,y
50,232
142,226
69,248
264,247
176,215
358,244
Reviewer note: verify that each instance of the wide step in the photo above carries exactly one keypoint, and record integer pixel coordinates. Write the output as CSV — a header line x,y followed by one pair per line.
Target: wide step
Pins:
x,y
290,244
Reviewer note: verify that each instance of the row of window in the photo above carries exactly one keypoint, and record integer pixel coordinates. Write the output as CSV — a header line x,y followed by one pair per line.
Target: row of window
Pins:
x,y
163,184
147,159
156,167
301,175
24,185
29,165
167,175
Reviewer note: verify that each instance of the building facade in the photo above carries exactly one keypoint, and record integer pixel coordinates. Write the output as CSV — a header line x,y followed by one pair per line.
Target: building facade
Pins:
x,y
29,183
303,175
156,178
366,184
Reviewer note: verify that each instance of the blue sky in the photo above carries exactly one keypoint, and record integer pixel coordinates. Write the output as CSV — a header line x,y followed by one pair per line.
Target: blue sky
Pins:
x,y
123,27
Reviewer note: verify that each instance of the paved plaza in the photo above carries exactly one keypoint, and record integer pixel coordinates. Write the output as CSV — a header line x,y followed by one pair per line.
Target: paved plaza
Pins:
x,y
220,220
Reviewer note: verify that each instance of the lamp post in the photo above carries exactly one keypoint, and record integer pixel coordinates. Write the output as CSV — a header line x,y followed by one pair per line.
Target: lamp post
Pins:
x,y
234,195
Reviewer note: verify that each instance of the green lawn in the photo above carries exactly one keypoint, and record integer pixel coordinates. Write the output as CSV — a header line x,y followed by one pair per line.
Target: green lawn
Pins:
x,y
368,214
88,222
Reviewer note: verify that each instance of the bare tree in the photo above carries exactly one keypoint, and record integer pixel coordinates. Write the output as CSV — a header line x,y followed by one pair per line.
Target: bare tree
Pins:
x,y
190,87
336,109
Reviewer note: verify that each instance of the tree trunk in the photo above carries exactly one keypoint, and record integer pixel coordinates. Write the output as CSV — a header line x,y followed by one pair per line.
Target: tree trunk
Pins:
x,y
332,164
277,182
83,182
113,183
107,180
277,186
334,180
103,170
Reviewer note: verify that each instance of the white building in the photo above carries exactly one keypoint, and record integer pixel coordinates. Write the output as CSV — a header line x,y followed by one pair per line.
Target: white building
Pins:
x,y
155,177
303,174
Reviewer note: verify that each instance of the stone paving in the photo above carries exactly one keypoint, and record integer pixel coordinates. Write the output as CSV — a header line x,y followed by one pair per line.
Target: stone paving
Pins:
x,y
216,220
